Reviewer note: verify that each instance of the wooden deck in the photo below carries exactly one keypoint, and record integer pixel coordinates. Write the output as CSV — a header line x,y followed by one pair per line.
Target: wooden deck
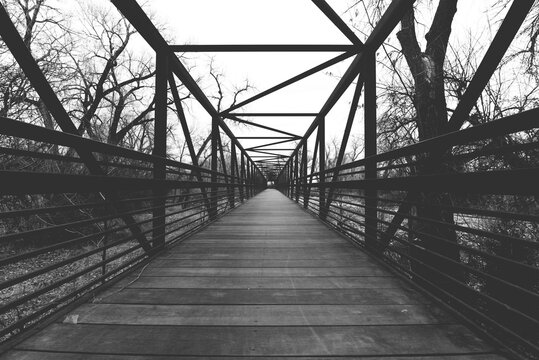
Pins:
x,y
267,280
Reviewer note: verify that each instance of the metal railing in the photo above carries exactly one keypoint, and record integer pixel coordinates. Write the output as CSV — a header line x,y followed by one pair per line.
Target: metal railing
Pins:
x,y
77,213
455,214
65,232
467,237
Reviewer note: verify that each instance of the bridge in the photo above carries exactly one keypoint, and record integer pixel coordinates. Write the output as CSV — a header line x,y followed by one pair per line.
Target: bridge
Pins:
x,y
386,257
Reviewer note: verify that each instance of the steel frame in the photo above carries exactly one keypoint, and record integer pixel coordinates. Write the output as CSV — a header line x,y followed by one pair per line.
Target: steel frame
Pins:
x,y
327,192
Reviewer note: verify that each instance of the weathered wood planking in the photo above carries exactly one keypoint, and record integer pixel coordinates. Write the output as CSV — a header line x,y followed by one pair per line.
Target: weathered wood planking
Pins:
x,y
266,281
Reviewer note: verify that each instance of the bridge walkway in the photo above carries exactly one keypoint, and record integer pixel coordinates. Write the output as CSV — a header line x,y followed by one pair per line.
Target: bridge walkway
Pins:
x,y
266,280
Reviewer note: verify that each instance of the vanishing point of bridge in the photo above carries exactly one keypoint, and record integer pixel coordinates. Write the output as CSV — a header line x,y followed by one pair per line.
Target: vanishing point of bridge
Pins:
x,y
421,252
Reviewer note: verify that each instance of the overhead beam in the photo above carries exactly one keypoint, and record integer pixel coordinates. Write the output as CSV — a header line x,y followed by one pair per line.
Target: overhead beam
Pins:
x,y
292,80
337,21
235,118
387,23
264,48
268,153
269,144
273,114
132,11
268,137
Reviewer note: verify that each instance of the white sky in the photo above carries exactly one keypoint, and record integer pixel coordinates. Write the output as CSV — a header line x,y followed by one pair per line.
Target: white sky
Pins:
x,y
259,22
277,22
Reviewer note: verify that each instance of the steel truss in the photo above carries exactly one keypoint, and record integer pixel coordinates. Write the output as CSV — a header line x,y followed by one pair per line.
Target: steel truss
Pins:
x,y
164,200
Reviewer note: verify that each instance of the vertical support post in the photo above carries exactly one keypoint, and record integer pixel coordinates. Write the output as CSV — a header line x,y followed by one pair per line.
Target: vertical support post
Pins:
x,y
371,202
253,176
296,176
322,167
233,174
289,182
304,173
313,164
242,176
248,177
214,169
160,149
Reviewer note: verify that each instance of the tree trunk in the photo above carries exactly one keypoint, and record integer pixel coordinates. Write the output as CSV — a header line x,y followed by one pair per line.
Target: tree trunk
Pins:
x,y
434,252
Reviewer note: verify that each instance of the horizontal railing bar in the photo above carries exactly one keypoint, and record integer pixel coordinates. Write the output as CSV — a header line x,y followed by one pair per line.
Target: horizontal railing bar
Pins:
x,y
524,267
470,307
41,291
50,209
513,123
71,242
473,231
65,158
24,130
41,311
10,305
458,264
21,182
264,48
42,231
456,209
517,182
20,323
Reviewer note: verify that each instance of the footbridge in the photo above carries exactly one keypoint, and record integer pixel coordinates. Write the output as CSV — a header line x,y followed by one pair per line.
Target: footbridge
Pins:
x,y
417,252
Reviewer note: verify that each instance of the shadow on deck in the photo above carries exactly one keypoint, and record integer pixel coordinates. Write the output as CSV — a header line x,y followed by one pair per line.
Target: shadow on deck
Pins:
x,y
266,280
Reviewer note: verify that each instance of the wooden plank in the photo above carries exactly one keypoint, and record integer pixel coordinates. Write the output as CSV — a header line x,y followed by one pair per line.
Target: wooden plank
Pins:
x,y
288,264
262,296
260,340
200,282
259,315
266,272
265,254
259,283
38,355
247,244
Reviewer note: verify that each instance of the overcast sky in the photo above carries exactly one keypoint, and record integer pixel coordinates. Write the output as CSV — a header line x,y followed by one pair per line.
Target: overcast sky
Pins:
x,y
279,22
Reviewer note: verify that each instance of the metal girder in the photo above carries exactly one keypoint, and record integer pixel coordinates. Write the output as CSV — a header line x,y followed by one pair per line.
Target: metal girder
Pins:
x,y
273,114
387,23
160,149
187,137
346,136
264,48
234,118
214,144
291,81
505,35
321,166
131,10
23,182
269,137
370,134
269,144
506,182
512,123
268,153
28,64
337,21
